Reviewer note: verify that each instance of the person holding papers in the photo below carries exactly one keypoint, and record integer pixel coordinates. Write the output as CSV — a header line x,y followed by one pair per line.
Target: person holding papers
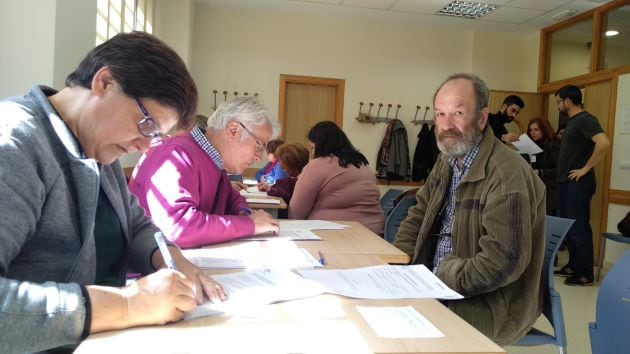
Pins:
x,y
479,223
69,229
546,162
292,157
338,183
272,171
183,184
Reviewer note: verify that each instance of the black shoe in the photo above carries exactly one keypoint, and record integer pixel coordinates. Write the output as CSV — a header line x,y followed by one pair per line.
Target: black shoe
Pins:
x,y
578,280
564,272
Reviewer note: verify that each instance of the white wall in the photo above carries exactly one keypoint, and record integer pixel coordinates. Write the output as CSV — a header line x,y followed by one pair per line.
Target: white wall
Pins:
x,y
173,25
27,30
246,49
42,41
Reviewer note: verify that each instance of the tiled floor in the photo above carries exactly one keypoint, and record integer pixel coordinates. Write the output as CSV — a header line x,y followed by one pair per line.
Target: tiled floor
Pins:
x,y
578,305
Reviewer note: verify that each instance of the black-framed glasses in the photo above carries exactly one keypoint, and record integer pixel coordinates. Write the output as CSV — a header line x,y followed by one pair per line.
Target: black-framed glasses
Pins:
x,y
260,147
148,126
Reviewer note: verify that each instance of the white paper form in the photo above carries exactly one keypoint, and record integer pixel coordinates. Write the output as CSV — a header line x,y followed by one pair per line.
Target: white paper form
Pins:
x,y
257,287
253,194
253,200
310,225
383,282
398,322
291,235
250,182
277,253
526,145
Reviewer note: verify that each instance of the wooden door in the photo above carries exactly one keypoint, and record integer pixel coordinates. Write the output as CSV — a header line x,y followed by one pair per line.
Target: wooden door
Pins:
x,y
306,100
597,102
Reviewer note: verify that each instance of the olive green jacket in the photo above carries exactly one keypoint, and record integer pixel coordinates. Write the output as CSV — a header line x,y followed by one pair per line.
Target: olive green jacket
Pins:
x,y
498,239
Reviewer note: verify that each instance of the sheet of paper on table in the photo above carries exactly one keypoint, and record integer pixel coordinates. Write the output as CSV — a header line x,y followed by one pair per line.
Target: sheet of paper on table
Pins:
x,y
254,288
383,282
291,234
398,322
311,225
258,200
277,253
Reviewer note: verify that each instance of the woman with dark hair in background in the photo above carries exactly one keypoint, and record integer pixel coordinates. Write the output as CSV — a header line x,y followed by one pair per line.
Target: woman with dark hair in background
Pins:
x,y
546,162
338,183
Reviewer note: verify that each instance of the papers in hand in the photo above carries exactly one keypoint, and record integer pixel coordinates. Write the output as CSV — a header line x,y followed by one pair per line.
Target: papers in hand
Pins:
x,y
257,287
526,145
383,282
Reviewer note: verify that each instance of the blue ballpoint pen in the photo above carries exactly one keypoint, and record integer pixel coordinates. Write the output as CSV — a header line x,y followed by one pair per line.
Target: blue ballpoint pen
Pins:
x,y
161,241
322,261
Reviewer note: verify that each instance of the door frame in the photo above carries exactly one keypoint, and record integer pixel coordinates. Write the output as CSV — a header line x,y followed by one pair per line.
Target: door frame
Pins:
x,y
338,84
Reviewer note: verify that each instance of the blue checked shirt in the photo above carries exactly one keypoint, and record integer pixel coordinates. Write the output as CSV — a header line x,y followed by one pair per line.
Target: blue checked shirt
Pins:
x,y
444,243
203,142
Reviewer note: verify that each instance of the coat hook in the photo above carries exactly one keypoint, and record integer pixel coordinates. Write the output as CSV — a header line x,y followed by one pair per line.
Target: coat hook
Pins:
x,y
235,93
215,99
370,110
397,108
224,96
360,107
389,105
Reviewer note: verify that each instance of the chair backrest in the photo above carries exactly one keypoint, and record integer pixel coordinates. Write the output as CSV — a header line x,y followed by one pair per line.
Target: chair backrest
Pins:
x,y
396,216
610,332
387,200
556,230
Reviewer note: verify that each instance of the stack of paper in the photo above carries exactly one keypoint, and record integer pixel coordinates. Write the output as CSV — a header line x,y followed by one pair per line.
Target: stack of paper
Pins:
x,y
246,194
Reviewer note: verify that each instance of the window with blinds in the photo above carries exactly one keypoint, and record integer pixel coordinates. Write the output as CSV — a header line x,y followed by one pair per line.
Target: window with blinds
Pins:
x,y
115,16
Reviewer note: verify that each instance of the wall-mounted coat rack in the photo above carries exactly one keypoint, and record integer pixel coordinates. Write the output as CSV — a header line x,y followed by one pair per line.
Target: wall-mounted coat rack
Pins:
x,y
369,118
415,120
225,96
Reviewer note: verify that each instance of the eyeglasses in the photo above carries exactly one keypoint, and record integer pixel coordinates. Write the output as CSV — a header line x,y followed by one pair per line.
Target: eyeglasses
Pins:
x,y
260,147
148,126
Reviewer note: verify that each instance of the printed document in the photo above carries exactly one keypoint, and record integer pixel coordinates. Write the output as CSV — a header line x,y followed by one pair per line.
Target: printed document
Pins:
x,y
526,145
398,322
262,201
383,282
311,225
257,287
291,235
277,253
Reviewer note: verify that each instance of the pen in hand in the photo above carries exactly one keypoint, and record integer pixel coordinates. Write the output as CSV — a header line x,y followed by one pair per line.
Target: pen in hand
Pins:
x,y
166,255
322,261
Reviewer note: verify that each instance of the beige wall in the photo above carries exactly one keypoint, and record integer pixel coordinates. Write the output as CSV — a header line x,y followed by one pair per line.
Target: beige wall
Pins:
x,y
569,59
173,25
240,49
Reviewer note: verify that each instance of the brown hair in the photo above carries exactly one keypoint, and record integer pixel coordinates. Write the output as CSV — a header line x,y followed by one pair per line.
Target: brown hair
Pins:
x,y
272,145
144,67
545,128
293,157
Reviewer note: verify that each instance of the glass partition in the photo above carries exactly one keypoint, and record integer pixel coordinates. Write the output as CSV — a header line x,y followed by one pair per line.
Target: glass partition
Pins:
x,y
570,51
615,38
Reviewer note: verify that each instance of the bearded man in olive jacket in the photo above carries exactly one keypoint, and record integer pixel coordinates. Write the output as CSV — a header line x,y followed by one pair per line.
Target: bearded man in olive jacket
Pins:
x,y
480,219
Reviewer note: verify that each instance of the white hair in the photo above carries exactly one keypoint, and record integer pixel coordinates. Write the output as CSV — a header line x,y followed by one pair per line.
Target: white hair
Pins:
x,y
248,110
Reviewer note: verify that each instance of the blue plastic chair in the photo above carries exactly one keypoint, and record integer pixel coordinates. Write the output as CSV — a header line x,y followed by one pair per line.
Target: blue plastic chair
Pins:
x,y
610,333
555,231
602,248
396,216
387,200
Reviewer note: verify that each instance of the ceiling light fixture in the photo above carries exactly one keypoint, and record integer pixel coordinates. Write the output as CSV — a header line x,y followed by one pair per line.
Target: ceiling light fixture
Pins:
x,y
611,33
467,9
563,15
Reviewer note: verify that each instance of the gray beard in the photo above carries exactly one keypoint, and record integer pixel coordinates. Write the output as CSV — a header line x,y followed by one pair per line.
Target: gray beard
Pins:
x,y
466,143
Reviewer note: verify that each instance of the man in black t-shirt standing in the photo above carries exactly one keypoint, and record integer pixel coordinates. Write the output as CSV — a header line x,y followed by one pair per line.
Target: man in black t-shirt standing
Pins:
x,y
510,108
584,143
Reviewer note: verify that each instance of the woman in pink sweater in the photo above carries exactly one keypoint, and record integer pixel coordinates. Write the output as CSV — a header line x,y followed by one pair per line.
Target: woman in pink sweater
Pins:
x,y
338,183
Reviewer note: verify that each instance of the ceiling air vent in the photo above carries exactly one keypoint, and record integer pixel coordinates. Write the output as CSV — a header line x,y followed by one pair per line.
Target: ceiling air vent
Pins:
x,y
563,15
467,9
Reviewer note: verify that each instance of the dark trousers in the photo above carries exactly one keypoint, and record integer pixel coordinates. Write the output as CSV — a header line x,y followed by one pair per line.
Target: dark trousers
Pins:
x,y
575,203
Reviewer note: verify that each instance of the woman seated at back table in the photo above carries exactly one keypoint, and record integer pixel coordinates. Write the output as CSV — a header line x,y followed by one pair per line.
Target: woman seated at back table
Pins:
x,y
292,158
338,183
272,171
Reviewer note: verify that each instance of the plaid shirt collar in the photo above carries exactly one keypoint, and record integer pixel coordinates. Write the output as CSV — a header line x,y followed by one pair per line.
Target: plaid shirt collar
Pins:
x,y
469,158
206,146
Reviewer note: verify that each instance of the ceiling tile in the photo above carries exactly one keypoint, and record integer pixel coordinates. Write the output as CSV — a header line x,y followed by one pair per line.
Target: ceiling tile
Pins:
x,y
512,15
546,5
371,4
334,2
420,6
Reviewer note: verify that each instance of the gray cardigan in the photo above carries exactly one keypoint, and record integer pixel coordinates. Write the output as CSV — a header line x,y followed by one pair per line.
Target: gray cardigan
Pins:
x,y
49,197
